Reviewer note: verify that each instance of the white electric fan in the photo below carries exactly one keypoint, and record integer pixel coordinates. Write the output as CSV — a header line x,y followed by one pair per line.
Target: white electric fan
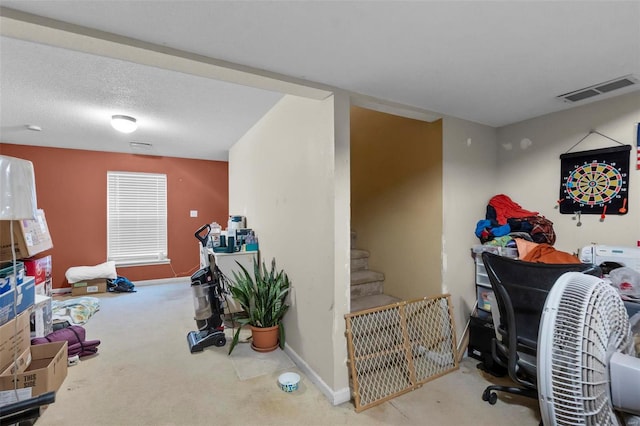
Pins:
x,y
587,371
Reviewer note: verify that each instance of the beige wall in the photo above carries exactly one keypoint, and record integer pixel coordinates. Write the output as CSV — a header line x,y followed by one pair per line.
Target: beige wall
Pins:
x,y
290,176
467,159
469,181
480,162
285,177
396,199
530,173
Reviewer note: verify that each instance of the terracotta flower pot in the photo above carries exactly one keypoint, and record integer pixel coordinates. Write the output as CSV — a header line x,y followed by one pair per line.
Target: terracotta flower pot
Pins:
x,y
264,339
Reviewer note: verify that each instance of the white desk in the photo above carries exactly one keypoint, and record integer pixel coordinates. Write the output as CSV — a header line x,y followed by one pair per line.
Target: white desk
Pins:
x,y
227,264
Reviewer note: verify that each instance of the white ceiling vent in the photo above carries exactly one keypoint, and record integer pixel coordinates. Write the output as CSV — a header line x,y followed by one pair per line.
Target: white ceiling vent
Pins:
x,y
141,147
599,89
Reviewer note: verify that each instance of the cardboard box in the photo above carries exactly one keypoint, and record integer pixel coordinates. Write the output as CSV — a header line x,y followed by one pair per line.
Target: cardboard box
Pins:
x,y
20,365
42,317
31,236
82,288
14,339
23,296
40,268
47,370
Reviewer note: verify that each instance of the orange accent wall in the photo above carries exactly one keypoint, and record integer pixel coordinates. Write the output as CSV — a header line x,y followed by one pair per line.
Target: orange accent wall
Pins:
x,y
71,187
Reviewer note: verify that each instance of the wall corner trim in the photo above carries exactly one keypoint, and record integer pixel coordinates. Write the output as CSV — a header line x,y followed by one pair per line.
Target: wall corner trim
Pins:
x,y
335,397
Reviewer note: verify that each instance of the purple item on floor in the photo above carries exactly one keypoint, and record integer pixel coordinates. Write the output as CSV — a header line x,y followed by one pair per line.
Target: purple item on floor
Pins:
x,y
75,336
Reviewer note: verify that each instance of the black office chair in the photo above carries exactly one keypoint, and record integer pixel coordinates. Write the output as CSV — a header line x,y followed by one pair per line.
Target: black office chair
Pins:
x,y
520,290
26,412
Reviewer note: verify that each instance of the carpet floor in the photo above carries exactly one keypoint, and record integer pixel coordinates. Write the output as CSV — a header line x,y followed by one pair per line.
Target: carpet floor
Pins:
x,y
144,374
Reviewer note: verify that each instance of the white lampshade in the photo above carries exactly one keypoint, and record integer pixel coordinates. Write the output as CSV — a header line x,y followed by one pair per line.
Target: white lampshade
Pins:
x,y
124,123
17,189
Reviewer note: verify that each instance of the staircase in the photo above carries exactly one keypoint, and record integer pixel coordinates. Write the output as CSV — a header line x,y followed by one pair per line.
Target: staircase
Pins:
x,y
367,286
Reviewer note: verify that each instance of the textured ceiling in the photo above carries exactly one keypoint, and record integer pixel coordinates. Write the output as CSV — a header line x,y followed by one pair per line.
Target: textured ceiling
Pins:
x,y
494,63
72,95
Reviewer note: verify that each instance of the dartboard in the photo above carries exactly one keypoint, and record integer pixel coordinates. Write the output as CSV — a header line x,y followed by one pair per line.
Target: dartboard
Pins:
x,y
595,182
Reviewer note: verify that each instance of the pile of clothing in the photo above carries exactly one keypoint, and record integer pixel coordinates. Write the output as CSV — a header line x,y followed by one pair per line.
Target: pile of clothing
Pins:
x,y
504,217
507,224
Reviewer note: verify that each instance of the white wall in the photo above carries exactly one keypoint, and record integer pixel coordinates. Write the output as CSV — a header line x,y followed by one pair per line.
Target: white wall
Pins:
x,y
530,175
289,176
469,180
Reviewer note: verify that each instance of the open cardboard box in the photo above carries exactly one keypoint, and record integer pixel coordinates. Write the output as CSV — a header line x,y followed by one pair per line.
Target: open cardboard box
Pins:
x,y
47,371
20,364
31,236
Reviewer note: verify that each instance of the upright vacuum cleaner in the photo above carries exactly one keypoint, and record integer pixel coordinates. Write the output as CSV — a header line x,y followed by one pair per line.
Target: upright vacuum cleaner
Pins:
x,y
208,299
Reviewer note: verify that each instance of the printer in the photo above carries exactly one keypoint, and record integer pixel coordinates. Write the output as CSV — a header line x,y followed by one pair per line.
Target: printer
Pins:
x,y
601,254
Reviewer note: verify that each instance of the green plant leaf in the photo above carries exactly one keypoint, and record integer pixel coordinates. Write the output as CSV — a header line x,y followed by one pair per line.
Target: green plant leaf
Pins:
x,y
236,336
281,336
263,296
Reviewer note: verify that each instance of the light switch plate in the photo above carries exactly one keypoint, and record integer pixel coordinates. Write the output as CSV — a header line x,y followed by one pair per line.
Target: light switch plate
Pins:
x,y
193,213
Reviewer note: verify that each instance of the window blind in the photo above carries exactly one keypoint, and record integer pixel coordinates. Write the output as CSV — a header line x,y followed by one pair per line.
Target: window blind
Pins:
x,y
136,217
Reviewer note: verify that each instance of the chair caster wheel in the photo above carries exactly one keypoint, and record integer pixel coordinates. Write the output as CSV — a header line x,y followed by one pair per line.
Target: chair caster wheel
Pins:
x,y
490,397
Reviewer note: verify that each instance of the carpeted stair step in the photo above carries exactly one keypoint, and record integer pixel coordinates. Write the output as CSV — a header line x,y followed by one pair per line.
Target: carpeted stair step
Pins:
x,y
373,301
366,283
359,260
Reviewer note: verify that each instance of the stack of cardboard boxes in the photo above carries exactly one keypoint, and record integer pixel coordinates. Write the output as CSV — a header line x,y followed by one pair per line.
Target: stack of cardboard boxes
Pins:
x,y
42,314
27,371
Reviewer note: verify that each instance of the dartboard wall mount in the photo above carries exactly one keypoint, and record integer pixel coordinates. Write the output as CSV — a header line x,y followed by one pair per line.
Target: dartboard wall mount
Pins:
x,y
595,181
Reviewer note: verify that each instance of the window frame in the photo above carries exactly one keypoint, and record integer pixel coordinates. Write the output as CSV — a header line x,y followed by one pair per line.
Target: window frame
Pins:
x,y
137,218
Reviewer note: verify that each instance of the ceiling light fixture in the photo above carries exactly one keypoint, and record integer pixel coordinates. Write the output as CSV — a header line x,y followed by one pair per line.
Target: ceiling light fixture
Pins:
x,y
124,123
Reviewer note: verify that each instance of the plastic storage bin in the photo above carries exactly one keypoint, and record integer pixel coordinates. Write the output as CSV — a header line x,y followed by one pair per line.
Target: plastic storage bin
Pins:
x,y
482,279
8,276
511,252
485,297
502,251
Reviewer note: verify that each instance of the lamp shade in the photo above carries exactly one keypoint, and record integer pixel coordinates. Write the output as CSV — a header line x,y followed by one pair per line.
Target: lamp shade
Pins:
x,y
124,123
17,189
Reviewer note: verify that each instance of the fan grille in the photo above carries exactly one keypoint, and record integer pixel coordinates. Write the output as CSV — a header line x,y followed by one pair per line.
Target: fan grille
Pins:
x,y
590,324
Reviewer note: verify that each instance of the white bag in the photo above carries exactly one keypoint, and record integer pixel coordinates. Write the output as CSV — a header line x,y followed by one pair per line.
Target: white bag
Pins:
x,y
627,281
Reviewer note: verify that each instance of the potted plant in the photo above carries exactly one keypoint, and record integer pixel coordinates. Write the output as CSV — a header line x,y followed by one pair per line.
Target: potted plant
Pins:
x,y
262,297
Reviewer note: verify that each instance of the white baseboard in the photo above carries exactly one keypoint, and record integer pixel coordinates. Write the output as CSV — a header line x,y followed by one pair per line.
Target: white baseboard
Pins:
x,y
176,280
335,397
